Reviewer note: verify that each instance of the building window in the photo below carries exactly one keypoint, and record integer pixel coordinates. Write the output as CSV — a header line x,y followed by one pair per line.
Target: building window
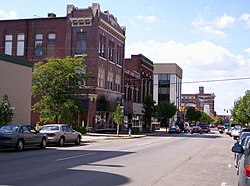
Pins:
x,y
110,80
8,44
52,39
81,43
119,55
111,51
38,45
20,45
51,47
101,77
118,83
102,46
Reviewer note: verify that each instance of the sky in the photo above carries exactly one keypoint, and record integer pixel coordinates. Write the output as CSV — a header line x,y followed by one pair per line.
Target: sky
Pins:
x,y
209,40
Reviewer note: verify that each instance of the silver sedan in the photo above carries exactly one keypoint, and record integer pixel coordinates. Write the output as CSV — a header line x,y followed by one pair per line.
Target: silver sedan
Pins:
x,y
61,133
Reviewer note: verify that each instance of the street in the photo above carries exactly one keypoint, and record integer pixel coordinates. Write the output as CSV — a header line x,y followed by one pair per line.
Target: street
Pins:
x,y
164,160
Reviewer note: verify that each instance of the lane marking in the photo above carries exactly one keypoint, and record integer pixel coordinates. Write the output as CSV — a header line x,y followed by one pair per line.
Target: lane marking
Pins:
x,y
73,157
229,165
223,184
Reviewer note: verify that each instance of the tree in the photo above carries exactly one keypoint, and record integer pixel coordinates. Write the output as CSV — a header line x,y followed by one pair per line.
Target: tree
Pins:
x,y
58,83
193,114
148,111
166,110
118,117
206,118
235,112
6,111
241,110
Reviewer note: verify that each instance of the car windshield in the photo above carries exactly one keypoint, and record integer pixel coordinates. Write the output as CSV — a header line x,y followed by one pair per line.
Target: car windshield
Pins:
x,y
9,128
50,128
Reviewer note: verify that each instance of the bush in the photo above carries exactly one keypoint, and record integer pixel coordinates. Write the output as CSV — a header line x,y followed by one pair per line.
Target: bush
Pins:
x,y
135,130
82,130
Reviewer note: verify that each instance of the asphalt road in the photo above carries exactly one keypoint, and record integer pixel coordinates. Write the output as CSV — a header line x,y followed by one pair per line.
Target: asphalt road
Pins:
x,y
161,160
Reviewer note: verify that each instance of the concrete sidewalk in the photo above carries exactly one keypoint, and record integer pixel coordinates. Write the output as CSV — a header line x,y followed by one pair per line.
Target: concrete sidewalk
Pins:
x,y
100,136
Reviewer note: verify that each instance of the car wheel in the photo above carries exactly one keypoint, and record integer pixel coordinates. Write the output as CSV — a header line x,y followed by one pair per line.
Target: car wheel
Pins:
x,y
78,140
191,132
43,144
19,145
61,141
201,132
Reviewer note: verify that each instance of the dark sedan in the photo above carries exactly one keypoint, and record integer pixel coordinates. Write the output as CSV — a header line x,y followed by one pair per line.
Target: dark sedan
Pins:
x,y
196,129
205,128
174,129
21,136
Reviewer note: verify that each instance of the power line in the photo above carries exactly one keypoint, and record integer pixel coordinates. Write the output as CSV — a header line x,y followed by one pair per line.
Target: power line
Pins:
x,y
218,80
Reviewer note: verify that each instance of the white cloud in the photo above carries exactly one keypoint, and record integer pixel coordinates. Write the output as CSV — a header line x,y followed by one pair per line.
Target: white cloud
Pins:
x,y
246,19
247,50
201,55
8,15
224,21
214,27
148,19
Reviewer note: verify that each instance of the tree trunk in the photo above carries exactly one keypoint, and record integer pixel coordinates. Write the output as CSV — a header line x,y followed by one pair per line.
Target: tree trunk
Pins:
x,y
118,130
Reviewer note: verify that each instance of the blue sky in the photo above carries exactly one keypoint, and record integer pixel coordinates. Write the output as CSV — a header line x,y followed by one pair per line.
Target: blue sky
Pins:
x,y
209,40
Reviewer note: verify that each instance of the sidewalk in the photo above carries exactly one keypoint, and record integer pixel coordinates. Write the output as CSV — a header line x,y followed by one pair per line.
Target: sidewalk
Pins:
x,y
100,136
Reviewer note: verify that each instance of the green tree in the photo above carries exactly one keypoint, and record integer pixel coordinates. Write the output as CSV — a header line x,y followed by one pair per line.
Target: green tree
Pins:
x,y
235,112
118,117
6,111
148,111
193,114
166,110
206,118
57,83
243,111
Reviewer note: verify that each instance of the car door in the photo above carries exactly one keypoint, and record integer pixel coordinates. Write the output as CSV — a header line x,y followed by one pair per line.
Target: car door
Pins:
x,y
67,134
36,138
73,135
27,136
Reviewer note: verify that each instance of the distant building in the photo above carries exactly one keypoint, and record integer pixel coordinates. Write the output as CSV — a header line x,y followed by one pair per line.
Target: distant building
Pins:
x,y
82,31
138,83
201,101
15,82
167,83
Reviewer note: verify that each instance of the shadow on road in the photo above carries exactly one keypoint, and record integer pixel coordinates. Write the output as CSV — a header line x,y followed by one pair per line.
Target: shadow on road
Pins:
x,y
61,166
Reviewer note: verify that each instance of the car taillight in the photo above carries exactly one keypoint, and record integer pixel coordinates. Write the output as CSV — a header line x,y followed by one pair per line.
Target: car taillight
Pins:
x,y
51,134
247,171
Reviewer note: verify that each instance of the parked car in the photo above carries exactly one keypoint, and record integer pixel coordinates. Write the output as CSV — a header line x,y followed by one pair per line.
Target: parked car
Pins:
x,y
61,133
174,129
205,128
243,141
229,131
221,128
236,132
21,136
196,129
244,166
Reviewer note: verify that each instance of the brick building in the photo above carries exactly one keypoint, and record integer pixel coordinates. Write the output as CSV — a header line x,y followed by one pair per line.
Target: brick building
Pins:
x,y
82,31
138,83
201,101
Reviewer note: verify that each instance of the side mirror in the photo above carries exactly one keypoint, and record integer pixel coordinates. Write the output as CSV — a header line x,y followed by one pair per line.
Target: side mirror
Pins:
x,y
237,148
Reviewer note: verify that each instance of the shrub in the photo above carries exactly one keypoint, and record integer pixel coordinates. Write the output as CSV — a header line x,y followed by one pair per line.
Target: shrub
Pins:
x,y
82,130
135,130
